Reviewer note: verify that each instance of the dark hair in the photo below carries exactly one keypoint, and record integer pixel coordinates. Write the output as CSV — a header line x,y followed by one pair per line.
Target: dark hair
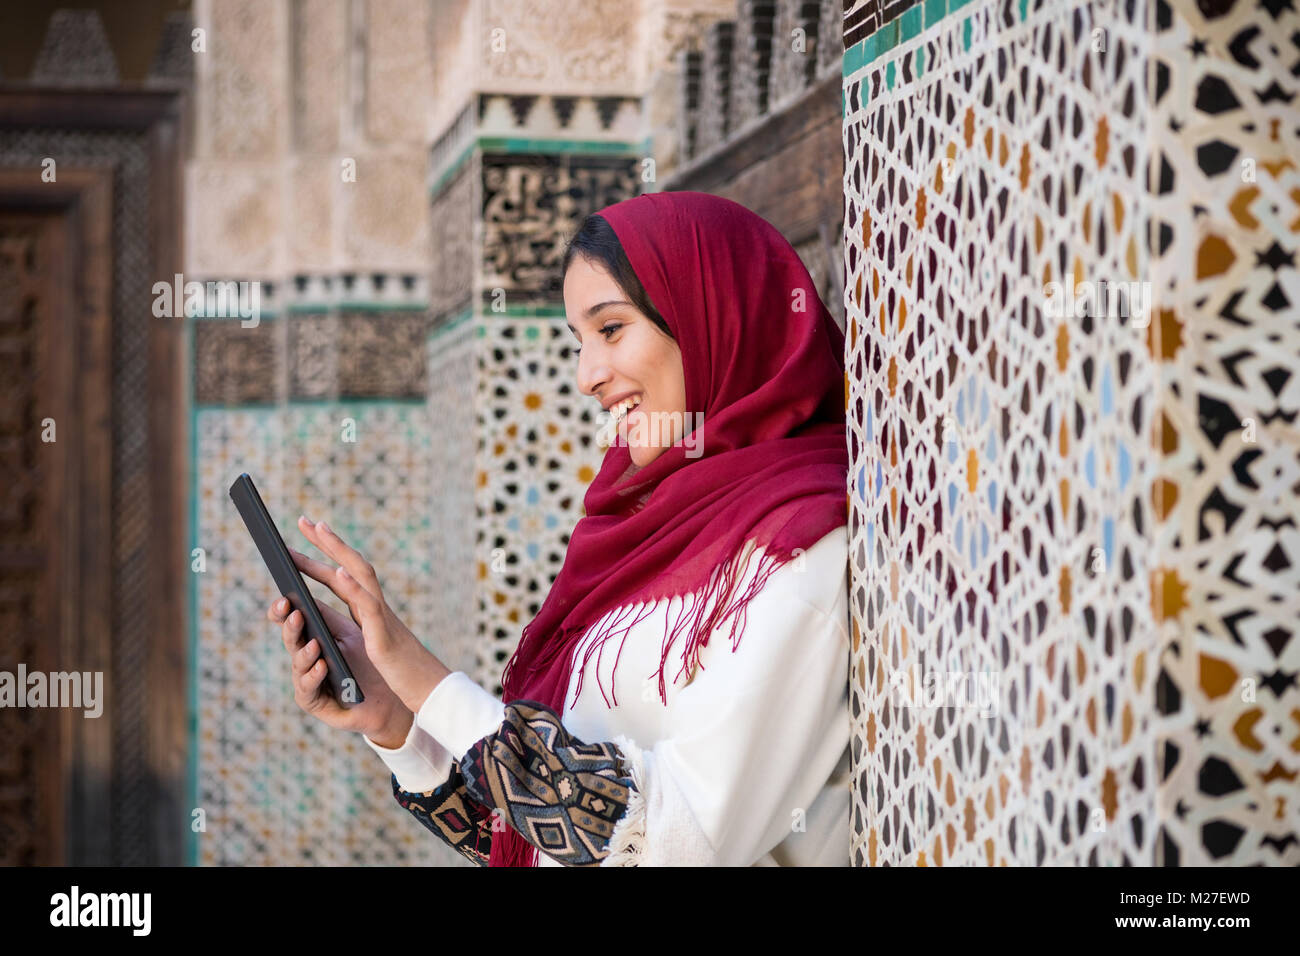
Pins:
x,y
596,240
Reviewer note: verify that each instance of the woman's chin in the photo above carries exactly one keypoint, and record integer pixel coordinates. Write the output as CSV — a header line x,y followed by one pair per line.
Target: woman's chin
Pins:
x,y
642,455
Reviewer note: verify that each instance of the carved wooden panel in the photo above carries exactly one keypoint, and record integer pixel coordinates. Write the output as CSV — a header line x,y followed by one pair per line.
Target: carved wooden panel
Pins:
x,y
117,155
29,798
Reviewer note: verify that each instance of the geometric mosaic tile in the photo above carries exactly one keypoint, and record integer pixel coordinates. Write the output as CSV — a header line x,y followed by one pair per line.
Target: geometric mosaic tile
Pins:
x,y
1070,504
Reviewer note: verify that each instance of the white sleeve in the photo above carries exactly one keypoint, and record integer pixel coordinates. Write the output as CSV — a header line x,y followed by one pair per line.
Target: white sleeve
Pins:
x,y
456,714
751,741
421,764
459,712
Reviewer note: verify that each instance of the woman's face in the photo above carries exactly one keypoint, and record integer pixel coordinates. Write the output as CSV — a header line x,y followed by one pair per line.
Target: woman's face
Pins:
x,y
625,355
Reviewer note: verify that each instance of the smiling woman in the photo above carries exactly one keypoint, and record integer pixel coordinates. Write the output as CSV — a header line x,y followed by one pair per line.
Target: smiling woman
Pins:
x,y
741,757
629,358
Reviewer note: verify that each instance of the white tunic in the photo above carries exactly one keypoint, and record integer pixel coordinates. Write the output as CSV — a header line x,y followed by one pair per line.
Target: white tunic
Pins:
x,y
746,765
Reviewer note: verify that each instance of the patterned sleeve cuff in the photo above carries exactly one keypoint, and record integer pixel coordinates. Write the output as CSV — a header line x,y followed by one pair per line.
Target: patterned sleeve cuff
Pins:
x,y
627,844
561,795
421,764
451,814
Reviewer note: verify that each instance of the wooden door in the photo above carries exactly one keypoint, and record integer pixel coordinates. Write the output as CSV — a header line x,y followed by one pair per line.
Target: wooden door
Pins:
x,y
55,487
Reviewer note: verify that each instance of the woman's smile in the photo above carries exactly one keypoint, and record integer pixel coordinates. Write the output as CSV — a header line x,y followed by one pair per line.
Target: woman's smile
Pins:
x,y
621,410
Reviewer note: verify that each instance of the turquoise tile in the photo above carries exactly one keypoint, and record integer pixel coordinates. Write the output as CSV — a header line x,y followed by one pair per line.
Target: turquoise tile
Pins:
x,y
886,37
855,57
920,61
935,10
514,144
910,23
1024,10
891,68
966,34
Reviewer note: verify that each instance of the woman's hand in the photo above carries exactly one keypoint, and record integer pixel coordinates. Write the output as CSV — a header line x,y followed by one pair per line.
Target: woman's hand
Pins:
x,y
381,716
402,661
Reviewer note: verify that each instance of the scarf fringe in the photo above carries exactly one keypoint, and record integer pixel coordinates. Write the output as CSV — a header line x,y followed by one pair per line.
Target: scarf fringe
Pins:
x,y
713,606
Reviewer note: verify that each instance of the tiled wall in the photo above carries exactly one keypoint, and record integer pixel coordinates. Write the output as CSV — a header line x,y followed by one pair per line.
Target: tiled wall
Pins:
x,y
1093,514
276,787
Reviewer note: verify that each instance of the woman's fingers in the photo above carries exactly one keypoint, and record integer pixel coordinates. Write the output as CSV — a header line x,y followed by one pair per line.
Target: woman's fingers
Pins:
x,y
306,656
326,575
306,664
309,681
291,631
339,624
316,570
321,535
366,610
278,610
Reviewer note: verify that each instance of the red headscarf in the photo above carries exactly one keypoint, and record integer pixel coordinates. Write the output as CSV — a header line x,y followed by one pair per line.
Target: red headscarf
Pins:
x,y
764,362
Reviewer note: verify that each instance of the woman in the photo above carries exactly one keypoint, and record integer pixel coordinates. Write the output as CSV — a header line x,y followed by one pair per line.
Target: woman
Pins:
x,y
714,533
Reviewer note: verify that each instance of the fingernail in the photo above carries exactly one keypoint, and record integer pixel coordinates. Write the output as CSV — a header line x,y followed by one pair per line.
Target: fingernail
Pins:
x,y
343,573
306,519
324,527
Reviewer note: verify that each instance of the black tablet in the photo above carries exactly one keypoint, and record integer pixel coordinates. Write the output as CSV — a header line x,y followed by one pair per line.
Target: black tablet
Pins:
x,y
289,580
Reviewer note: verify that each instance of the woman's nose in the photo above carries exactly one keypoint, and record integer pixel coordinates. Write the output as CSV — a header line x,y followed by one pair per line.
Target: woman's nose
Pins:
x,y
591,374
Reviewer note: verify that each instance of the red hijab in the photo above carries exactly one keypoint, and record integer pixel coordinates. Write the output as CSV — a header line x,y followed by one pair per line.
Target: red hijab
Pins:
x,y
764,364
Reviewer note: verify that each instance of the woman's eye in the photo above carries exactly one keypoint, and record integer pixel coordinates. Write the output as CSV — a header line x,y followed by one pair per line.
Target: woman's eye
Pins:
x,y
606,331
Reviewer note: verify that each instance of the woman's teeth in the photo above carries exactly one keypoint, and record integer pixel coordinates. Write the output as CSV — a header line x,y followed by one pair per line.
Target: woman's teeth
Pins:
x,y
619,411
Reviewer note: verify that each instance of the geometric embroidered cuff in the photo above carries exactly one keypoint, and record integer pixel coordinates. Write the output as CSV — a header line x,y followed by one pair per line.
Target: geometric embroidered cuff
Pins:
x,y
561,795
453,816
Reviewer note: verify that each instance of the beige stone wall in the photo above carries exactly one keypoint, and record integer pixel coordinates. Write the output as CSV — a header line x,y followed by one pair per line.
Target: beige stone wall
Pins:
x,y
292,95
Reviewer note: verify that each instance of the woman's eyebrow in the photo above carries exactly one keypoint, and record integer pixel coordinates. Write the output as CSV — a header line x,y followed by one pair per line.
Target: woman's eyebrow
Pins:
x,y
595,309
